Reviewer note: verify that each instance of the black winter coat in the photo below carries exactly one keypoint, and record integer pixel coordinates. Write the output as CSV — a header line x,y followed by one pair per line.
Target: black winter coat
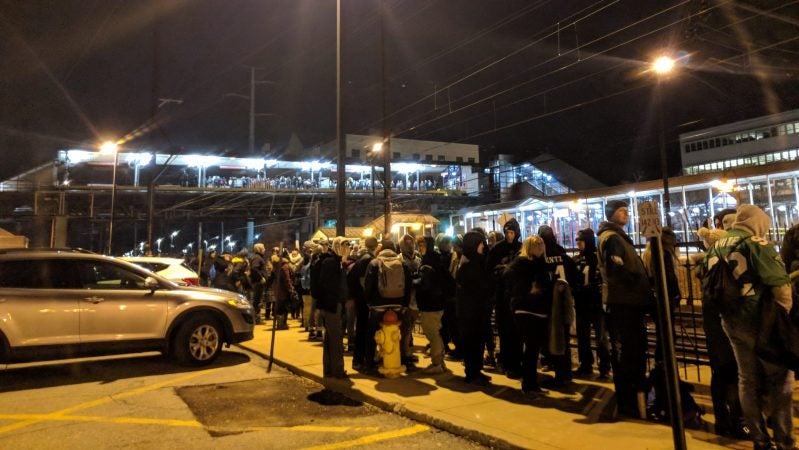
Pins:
x,y
530,285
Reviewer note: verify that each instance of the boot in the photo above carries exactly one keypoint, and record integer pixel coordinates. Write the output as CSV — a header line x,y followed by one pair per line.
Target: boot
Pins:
x,y
281,322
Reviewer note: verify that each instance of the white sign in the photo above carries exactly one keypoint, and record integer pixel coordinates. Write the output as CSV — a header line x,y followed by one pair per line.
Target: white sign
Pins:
x,y
649,219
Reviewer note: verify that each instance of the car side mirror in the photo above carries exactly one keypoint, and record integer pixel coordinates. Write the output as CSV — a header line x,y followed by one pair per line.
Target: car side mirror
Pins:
x,y
151,284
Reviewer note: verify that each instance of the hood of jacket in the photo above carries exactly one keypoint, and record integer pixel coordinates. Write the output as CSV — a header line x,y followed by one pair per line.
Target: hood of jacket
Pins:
x,y
753,220
587,235
550,241
513,225
471,241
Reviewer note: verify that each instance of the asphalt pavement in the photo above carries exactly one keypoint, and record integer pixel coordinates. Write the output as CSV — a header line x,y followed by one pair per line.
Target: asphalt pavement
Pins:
x,y
499,415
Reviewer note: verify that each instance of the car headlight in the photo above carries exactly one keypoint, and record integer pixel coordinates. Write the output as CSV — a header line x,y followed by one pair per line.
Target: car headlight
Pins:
x,y
239,302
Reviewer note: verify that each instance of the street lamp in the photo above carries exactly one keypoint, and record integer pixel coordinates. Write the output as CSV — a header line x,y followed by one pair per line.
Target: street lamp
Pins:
x,y
106,148
158,244
662,66
172,240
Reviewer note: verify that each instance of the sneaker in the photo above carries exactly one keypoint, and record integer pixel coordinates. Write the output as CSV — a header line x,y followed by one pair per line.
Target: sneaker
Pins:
x,y
434,369
603,376
490,361
584,371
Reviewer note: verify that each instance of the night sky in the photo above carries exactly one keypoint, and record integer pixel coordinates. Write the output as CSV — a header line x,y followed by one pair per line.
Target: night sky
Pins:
x,y
518,77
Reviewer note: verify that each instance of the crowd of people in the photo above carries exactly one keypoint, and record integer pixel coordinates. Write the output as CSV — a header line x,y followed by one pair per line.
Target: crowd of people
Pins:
x,y
298,182
536,292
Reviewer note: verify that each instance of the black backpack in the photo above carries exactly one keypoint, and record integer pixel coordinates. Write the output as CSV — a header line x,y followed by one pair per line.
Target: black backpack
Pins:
x,y
657,403
719,286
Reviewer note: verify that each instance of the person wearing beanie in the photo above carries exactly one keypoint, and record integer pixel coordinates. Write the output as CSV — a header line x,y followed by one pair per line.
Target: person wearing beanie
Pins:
x,y
765,389
473,290
510,342
627,295
588,309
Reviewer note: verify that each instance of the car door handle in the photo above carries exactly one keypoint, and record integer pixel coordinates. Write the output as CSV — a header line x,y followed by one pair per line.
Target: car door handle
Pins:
x,y
94,299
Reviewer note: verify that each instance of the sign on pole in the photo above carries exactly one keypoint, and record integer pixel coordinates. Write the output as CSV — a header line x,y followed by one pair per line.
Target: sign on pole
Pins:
x,y
649,219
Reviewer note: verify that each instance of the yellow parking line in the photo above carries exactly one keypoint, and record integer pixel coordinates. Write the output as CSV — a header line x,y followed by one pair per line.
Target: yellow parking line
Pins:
x,y
373,438
55,415
174,423
127,420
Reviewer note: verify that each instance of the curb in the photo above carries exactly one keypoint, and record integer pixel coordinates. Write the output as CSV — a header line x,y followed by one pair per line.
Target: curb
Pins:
x,y
394,407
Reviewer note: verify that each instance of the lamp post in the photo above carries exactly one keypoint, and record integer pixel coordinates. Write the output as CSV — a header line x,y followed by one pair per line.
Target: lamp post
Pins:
x,y
106,148
662,66
158,244
172,240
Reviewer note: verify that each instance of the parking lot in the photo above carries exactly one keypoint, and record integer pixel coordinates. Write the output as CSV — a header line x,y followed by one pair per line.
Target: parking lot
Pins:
x,y
147,402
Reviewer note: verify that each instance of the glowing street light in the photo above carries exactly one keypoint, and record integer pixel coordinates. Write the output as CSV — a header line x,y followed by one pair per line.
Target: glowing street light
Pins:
x,y
107,148
158,244
663,65
172,239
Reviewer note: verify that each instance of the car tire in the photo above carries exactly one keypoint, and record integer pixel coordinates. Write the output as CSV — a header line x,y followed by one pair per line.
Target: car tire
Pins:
x,y
198,341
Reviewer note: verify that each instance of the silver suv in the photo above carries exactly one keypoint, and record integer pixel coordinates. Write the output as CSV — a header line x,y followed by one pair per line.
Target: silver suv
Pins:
x,y
69,303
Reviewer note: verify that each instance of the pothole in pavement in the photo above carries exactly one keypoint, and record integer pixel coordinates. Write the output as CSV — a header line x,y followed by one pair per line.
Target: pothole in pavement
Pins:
x,y
232,408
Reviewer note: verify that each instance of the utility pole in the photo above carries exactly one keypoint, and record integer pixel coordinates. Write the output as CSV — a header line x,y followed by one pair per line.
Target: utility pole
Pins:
x,y
387,179
251,99
341,202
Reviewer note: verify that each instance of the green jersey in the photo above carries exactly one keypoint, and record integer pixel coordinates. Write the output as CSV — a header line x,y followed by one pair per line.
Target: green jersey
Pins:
x,y
756,266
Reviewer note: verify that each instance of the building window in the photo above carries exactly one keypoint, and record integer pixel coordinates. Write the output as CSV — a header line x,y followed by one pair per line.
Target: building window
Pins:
x,y
471,160
441,157
428,157
356,153
417,157
459,159
395,155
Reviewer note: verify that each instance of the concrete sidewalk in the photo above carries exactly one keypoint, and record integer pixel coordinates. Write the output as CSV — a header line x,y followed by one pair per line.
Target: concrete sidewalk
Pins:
x,y
498,415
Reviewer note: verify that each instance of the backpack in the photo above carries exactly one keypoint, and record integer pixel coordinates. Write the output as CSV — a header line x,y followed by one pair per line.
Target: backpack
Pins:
x,y
658,404
719,286
390,277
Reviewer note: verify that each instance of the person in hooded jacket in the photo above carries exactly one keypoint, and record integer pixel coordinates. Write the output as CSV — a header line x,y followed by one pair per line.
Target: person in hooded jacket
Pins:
x,y
531,282
330,291
473,290
510,343
627,296
765,389
259,273
377,303
565,269
282,289
588,309
430,299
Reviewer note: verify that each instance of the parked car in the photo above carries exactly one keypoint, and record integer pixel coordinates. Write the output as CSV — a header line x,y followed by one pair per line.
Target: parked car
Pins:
x,y
63,304
173,269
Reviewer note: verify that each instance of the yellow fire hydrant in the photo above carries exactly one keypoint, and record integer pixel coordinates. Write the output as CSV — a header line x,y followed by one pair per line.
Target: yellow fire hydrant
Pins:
x,y
388,340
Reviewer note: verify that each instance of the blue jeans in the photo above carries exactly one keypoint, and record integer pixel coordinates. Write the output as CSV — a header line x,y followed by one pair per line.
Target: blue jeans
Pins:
x,y
762,386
